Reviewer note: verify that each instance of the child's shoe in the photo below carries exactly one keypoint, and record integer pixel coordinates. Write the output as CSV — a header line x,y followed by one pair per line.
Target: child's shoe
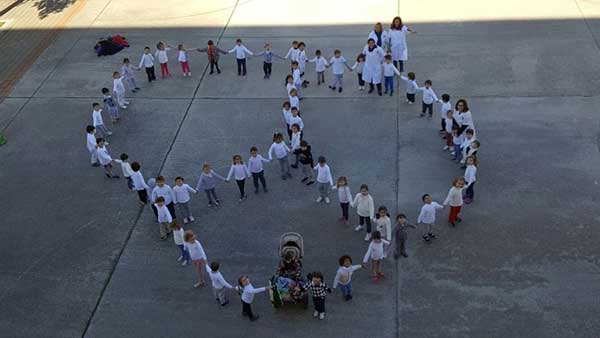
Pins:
x,y
198,285
339,90
295,166
446,147
431,235
375,279
108,133
256,191
392,93
322,315
210,204
189,73
191,218
358,228
217,202
180,258
310,182
381,275
184,263
319,199
426,238
303,180
185,221
316,313
368,237
327,201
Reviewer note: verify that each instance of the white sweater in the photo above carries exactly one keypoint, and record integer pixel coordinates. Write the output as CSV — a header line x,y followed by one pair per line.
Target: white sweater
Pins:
x,y
364,205
375,251
255,163
344,275
344,194
182,193
427,214
280,150
218,282
196,250
454,198
384,226
239,172
323,174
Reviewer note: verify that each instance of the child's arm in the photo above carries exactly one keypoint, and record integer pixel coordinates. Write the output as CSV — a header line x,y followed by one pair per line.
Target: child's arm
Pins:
x,y
232,49
368,254
219,50
354,65
141,61
271,153
264,159
172,193
247,171
229,174
397,71
371,208
260,54
199,185
437,205
388,230
288,53
347,66
190,189
248,51
313,60
219,176
336,280
202,50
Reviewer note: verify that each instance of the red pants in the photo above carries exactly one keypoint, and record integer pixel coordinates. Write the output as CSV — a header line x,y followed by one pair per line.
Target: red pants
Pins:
x,y
200,265
449,140
164,69
185,67
454,211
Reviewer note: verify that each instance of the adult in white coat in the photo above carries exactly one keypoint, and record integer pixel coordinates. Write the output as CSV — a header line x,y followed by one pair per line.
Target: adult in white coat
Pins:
x,y
398,48
372,71
380,36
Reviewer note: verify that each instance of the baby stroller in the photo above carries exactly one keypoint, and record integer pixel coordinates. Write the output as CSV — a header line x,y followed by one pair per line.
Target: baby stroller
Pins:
x,y
287,283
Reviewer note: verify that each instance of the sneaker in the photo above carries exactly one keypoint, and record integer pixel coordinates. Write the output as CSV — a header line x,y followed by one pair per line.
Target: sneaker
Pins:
x,y
108,133
319,199
426,238
137,88
392,93
191,218
265,190
322,315
316,313
210,204
255,318
126,102
327,201
180,258
422,114
385,91
294,166
446,147
198,285
358,228
115,176
381,275
339,90
242,198
452,224
375,279
332,88
162,238
310,182
459,219
189,73
184,263
367,237
217,202
185,221
226,302
410,102
431,235
404,254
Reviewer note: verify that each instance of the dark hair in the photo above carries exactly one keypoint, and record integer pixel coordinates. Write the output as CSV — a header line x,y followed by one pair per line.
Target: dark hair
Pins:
x,y
175,224
445,97
322,159
303,143
210,42
294,108
317,274
428,82
296,125
469,131
237,157
382,208
400,216
125,60
179,178
146,47
159,44
411,75
95,104
392,26
238,40
376,235
318,52
464,102
337,51
159,178
371,39
160,199
295,42
359,56
294,63
214,266
124,157
99,139
135,166
301,44
343,259
364,186
388,57
89,129
286,103
289,76
477,142
277,136
253,148
105,91
425,196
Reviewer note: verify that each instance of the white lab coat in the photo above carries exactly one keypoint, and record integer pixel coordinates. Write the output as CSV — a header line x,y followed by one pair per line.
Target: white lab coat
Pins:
x,y
384,39
372,71
398,43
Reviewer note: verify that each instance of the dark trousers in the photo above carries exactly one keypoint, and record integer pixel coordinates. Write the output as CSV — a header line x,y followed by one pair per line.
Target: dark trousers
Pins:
x,y
362,220
427,107
361,82
150,73
143,195
469,193
247,310
319,304
443,124
345,210
320,77
371,87
401,242
241,65
267,67
214,64
410,97
210,194
400,65
241,184
259,176
170,206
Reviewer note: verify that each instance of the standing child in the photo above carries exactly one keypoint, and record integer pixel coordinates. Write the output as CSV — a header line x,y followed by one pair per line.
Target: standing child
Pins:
x,y
240,55
358,68
240,172
337,64
183,61
164,217
345,198
302,61
401,235
181,192
466,143
319,290
388,74
287,113
295,119
256,169
212,52
219,284
126,169
289,85
363,202
298,82
281,152
428,98
197,255
164,190
292,54
127,72
411,86
449,125
294,99
163,58
445,106
268,60
208,182
470,150
91,145
470,178
295,144
109,104
457,139
98,123
427,217
320,66
147,61
383,223
139,184
105,158
324,179
248,291
178,234
455,200
119,90
343,277
376,253
306,159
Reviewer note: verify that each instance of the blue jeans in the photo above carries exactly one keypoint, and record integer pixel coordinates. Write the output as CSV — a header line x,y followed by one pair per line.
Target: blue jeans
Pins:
x,y
457,153
346,289
389,83
184,253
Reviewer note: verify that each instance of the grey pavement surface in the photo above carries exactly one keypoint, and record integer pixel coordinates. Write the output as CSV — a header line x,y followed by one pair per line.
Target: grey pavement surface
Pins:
x,y
80,258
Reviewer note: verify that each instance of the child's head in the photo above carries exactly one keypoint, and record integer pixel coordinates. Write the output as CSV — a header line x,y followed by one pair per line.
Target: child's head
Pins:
x,y
388,58
301,45
189,236
179,181
378,27
125,61
135,166
96,106
337,53
475,144
428,83
342,181
286,104
116,75
237,159
214,266
360,57
90,129
124,157
295,44
175,225
253,151
146,50
238,42
322,161
364,189
295,127
100,142
160,201
180,46
303,145
160,46
411,76
469,133
294,64
345,260
455,130
446,97
160,181
317,277
426,199
401,218
268,46
449,113
376,236
206,168
293,92
243,281
382,211
105,91
371,42
294,111
318,53
470,160
458,182
278,137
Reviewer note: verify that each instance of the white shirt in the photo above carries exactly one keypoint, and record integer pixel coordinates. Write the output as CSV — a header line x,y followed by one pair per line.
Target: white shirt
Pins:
x,y
458,140
455,197
196,250
161,55
97,118
344,275
138,180
164,215
358,66
91,142
165,191
337,65
444,109
467,142
389,69
218,282
240,51
320,63
239,172
280,149
296,140
297,77
470,173
125,168
292,54
182,193
466,119
384,39
118,86
384,226
375,251
364,205
449,122
411,85
249,291
178,236
255,163
427,214
295,120
104,156
428,95
286,115
344,194
301,60
182,56
295,102
289,88
147,60
323,174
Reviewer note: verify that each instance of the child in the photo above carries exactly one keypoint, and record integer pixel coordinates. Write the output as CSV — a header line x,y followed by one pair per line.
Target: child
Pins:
x,y
295,144
343,277
208,181
449,125
302,60
400,235
91,145
337,64
183,61
455,200
306,159
294,99
164,190
320,66
427,217
298,83
139,184
178,234
344,196
104,158
197,255
411,87
363,202
212,52
181,193
240,172
163,59
444,108
126,169
119,90
383,223
147,61
281,151
470,150
98,123
428,98
240,55
470,178
287,112
295,118
457,140
289,85
358,68
219,284
248,291
324,179
164,217
109,104
388,74
466,143
268,60
256,169
319,290
292,54
127,72
376,254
